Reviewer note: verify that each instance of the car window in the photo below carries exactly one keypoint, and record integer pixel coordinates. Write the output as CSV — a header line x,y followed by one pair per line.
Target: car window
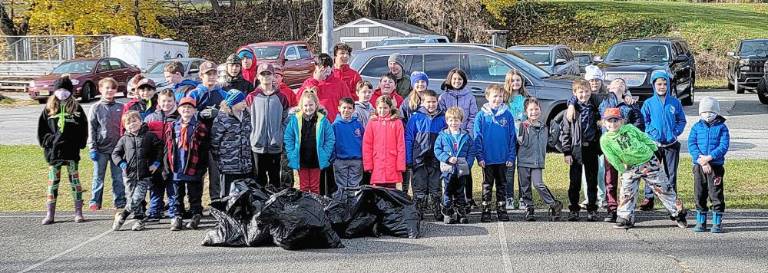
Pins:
x,y
486,68
115,64
437,66
559,54
754,48
375,67
104,66
442,40
639,52
568,54
584,59
195,65
75,67
416,61
538,57
291,54
267,52
304,52
157,68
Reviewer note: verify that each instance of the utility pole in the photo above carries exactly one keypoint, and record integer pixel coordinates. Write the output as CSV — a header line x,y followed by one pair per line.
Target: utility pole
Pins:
x,y
327,40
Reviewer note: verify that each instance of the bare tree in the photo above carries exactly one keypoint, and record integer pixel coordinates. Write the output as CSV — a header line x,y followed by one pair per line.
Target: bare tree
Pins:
x,y
9,28
136,21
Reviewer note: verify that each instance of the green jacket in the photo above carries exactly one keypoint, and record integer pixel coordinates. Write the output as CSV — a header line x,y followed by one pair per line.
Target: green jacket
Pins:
x,y
629,146
403,85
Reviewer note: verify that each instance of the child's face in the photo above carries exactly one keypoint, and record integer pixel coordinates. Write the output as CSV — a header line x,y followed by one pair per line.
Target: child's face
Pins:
x,y
133,125
516,84
172,78
582,94
108,91
308,107
617,87
166,103
346,110
456,80
429,103
146,93
613,124
186,112
533,111
246,62
239,107
595,84
454,123
495,99
387,85
208,78
233,69
364,94
342,57
420,86
382,109
266,78
661,86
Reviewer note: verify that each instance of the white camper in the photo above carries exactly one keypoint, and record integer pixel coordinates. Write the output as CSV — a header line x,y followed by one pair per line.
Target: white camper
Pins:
x,y
144,52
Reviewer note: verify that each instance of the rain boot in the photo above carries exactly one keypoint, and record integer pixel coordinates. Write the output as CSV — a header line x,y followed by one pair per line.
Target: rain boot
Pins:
x,y
79,211
436,208
501,211
485,215
717,222
701,221
50,214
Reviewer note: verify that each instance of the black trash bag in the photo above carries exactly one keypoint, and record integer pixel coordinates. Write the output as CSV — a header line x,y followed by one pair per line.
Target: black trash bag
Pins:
x,y
398,214
257,233
228,231
296,220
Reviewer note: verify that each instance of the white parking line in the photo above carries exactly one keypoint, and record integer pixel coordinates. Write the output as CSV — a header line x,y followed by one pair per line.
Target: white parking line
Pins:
x,y
504,248
65,252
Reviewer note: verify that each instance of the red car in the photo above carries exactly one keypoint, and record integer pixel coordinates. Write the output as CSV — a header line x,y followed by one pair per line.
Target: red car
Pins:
x,y
293,57
85,75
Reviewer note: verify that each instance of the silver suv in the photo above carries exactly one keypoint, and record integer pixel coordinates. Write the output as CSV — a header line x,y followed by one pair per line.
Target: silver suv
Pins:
x,y
555,59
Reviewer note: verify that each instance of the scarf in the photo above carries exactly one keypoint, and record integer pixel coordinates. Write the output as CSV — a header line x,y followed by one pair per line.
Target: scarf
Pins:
x,y
183,143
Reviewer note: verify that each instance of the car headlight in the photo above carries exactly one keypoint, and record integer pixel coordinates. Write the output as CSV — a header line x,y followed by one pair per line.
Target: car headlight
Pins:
x,y
75,82
31,83
744,61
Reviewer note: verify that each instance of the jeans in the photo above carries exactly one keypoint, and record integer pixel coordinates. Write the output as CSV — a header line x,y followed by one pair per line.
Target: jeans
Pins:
x,y
97,189
157,191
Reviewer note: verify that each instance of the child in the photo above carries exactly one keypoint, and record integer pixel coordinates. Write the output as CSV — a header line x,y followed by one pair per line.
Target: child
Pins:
x,y
419,83
248,65
495,148
208,96
234,77
62,132
269,111
146,100
420,135
105,132
456,94
230,140
185,149
708,143
384,145
387,88
363,106
455,151
341,69
581,148
174,78
157,122
348,151
533,137
664,122
631,152
309,142
138,153
514,95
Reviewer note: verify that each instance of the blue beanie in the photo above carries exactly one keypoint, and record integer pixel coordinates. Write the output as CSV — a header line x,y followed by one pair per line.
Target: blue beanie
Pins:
x,y
234,96
245,54
418,76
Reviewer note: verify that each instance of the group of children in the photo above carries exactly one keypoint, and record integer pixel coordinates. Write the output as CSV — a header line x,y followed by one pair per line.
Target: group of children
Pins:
x,y
338,133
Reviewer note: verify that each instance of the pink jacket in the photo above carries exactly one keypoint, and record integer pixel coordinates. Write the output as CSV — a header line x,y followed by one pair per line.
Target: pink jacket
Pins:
x,y
384,150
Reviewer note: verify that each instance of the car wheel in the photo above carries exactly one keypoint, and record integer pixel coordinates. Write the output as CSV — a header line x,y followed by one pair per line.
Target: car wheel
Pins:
x,y
87,93
762,91
42,101
736,85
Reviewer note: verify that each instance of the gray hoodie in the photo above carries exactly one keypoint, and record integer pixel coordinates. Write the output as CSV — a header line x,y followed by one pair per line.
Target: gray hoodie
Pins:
x,y
104,120
532,148
268,119
363,111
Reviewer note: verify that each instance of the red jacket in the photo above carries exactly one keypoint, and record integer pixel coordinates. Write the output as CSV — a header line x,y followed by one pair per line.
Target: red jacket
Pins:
x,y
350,77
329,91
394,94
384,150
293,100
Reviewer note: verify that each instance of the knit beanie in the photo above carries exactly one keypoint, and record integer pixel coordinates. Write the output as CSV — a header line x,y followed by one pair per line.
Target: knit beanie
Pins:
x,y
418,76
593,72
234,96
709,104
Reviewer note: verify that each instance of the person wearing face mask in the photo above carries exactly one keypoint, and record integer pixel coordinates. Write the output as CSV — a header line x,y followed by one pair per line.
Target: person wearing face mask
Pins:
x,y
708,143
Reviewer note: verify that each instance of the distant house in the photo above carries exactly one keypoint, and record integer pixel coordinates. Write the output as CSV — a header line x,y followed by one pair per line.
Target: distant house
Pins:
x,y
367,32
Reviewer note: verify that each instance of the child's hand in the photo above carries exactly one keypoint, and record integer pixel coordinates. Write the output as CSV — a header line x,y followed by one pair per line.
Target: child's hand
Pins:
x,y
452,160
706,168
629,100
704,159
481,163
568,160
94,156
570,114
510,163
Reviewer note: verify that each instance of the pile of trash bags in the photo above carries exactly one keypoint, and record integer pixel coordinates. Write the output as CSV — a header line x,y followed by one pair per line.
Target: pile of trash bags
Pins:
x,y
254,216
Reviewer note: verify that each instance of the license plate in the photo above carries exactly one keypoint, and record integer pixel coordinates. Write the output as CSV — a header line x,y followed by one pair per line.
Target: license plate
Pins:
x,y
45,92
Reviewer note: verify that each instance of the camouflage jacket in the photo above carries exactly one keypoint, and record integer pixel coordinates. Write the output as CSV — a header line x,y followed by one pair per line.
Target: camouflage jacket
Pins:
x,y
230,143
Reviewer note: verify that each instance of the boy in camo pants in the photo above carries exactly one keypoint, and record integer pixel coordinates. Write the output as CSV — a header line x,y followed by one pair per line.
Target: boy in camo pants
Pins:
x,y
631,152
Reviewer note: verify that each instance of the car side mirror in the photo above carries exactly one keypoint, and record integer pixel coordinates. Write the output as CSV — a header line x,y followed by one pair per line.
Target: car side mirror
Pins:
x,y
193,71
560,61
681,58
730,53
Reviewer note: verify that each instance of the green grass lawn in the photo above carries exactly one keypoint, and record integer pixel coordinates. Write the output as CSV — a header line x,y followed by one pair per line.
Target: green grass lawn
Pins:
x,y
24,179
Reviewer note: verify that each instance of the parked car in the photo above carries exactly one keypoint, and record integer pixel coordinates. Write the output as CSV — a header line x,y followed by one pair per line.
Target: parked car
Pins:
x,y
584,58
293,56
745,65
191,67
555,59
85,75
762,86
426,39
484,64
635,60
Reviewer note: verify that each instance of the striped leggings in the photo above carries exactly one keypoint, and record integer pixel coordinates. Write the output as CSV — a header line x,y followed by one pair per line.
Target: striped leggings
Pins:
x,y
54,177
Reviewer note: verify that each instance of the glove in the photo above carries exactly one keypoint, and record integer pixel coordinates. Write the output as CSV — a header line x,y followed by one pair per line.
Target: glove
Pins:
x,y
123,165
94,156
209,113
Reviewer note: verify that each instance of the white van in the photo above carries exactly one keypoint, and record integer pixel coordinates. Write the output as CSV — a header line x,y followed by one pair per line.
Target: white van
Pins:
x,y
144,52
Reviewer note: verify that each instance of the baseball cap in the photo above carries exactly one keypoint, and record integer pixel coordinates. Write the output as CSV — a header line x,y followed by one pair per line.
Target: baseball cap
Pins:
x,y
233,59
612,113
207,66
187,101
265,67
146,81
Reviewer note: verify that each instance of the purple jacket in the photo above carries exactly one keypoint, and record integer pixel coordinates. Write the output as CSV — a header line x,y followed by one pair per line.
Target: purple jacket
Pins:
x,y
462,98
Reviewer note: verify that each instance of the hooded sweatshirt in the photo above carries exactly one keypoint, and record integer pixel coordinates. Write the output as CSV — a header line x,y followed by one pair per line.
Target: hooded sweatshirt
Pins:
x,y
105,120
495,135
349,138
459,145
183,89
349,76
249,74
463,99
628,146
664,120
533,139
711,139
269,115
363,111
420,135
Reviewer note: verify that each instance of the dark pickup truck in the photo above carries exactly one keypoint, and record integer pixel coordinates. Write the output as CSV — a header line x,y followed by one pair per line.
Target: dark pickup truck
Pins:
x,y
746,65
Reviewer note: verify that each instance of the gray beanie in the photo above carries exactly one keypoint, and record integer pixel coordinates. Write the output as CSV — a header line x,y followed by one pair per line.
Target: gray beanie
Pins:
x,y
395,58
709,104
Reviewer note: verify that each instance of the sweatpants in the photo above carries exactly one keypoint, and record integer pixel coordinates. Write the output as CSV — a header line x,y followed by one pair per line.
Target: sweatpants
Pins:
x,y
600,182
214,184
157,191
348,173
267,169
54,178
533,176
194,192
589,163
653,175
611,184
670,157
227,179
426,180
309,180
494,174
97,187
136,192
709,186
453,193
510,187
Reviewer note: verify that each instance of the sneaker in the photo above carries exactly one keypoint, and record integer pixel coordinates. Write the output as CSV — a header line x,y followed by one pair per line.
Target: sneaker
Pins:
x,y
138,225
485,216
583,205
622,223
501,212
592,216
447,216
195,222
611,218
529,215
177,224
681,221
94,207
573,216
555,211
119,221
511,205
646,205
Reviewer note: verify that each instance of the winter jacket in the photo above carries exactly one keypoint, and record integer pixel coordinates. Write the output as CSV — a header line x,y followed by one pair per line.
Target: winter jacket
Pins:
x,y
664,121
628,146
463,99
403,85
238,83
495,135
377,93
532,142
572,133
269,114
207,98
188,164
293,101
349,138
349,76
184,89
105,119
384,150
139,151
324,140
159,120
709,139
363,112
60,146
420,135
446,146
329,92
630,113
231,144
144,107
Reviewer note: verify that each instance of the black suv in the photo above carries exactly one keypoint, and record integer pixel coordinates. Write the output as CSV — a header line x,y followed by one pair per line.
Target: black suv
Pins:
x,y
635,60
484,65
745,66
762,87
555,59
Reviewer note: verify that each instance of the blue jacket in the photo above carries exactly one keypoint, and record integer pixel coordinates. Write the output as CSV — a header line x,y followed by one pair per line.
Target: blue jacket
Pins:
x,y
709,139
444,146
495,137
349,138
325,140
630,113
420,135
664,121
207,98
182,89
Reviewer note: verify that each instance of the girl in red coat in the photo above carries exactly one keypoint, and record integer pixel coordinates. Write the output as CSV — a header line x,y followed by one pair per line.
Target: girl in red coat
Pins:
x,y
384,145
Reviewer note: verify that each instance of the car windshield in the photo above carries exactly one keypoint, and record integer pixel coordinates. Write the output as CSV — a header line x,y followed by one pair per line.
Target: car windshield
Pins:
x,y
754,48
584,59
402,41
538,57
642,53
74,67
267,52
524,64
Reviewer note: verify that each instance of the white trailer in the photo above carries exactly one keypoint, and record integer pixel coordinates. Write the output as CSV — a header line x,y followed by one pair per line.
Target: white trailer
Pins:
x,y
144,52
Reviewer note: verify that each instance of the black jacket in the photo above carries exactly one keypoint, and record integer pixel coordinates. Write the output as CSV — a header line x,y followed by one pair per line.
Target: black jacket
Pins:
x,y
140,151
62,146
238,83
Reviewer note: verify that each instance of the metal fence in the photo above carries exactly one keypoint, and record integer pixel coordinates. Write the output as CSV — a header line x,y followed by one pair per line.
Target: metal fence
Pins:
x,y
56,47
